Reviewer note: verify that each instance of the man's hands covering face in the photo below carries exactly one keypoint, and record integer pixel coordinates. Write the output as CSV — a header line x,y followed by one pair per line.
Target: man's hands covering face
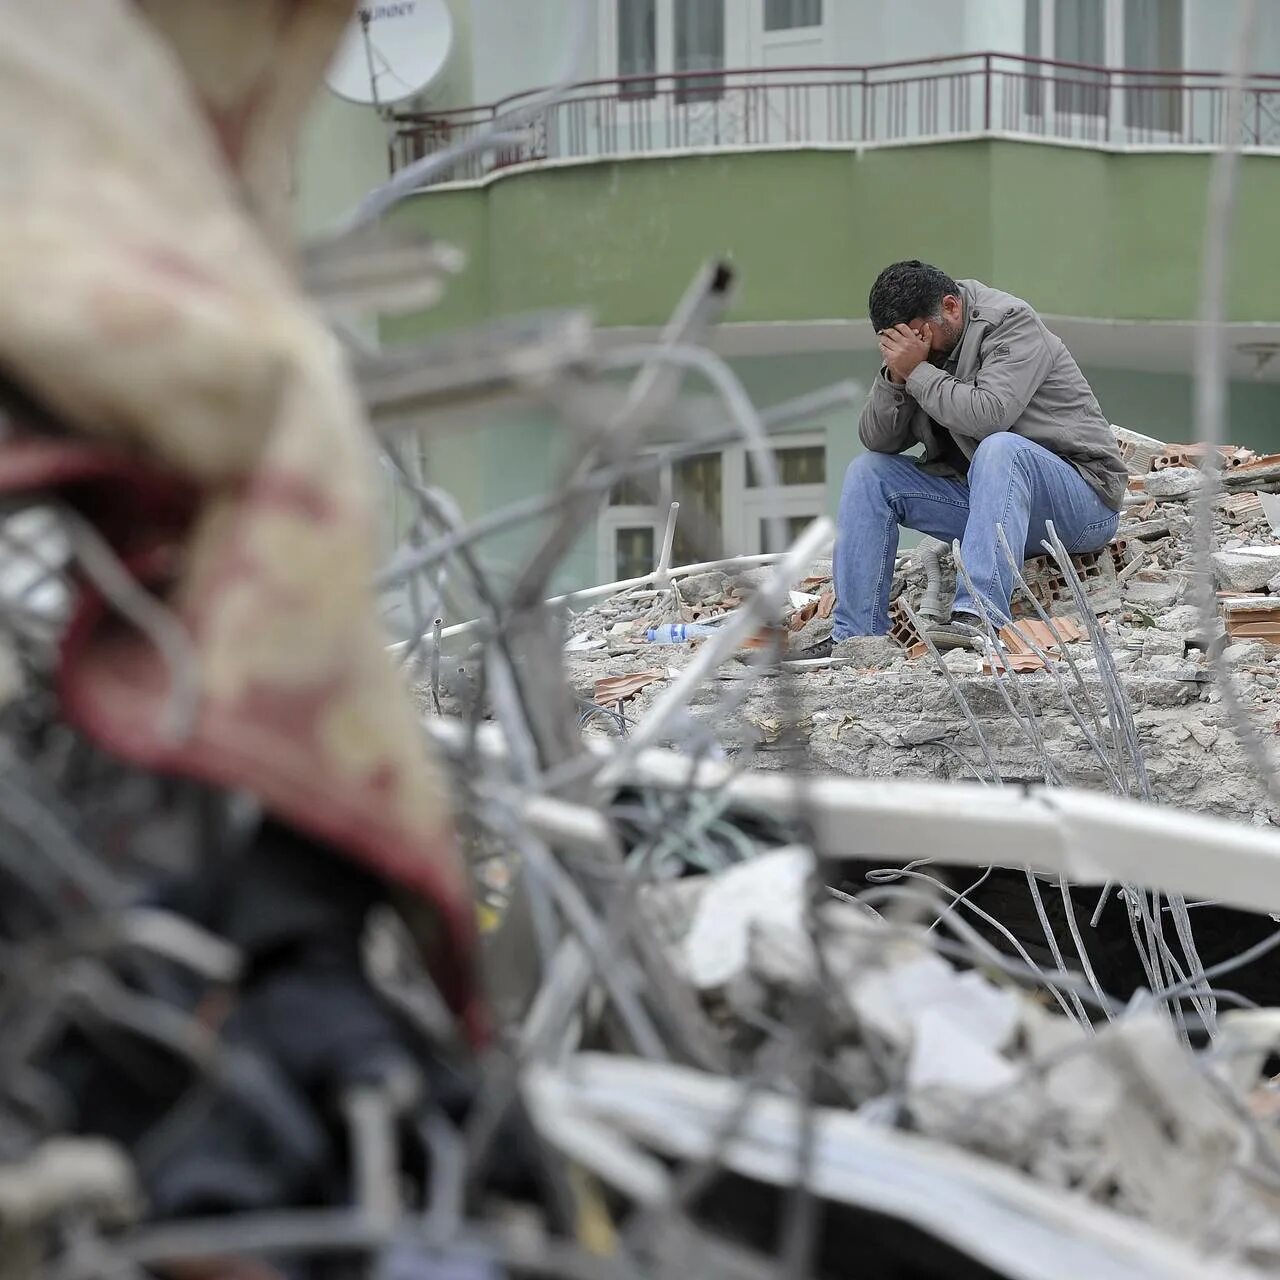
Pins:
x,y
903,348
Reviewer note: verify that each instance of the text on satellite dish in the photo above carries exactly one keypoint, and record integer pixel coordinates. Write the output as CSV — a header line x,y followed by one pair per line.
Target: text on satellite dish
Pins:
x,y
371,13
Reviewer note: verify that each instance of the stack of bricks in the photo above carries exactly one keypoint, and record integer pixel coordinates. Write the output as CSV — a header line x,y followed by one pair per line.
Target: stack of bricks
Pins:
x,y
1189,455
1137,450
1049,587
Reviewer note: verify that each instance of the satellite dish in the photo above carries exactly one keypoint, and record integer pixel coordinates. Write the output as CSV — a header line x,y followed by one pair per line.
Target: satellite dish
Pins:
x,y
391,50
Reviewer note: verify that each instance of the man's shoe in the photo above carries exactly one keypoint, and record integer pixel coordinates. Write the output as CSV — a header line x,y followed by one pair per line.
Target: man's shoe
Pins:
x,y
813,640
954,634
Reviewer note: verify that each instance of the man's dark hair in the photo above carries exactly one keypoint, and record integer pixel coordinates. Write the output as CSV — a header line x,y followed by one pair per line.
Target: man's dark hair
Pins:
x,y
908,290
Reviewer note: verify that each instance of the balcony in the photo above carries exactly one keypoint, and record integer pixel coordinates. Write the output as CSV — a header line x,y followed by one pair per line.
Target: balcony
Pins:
x,y
934,99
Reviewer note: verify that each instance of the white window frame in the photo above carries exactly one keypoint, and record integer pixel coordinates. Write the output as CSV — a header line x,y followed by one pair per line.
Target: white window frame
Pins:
x,y
1113,46
742,507
739,47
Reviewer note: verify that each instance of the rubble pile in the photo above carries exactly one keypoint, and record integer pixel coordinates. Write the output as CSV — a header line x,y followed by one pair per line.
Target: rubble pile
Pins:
x,y
1127,1118
901,718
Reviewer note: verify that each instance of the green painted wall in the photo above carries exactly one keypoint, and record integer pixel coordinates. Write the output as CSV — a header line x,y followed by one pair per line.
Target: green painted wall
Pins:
x,y
1078,232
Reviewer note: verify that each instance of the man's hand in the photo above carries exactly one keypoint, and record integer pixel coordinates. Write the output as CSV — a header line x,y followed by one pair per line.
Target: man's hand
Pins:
x,y
903,348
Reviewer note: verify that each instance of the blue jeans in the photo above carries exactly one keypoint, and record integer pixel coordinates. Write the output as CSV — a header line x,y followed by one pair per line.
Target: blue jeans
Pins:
x,y
1012,482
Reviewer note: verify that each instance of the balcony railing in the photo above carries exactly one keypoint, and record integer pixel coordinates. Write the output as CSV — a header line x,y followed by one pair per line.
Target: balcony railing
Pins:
x,y
965,95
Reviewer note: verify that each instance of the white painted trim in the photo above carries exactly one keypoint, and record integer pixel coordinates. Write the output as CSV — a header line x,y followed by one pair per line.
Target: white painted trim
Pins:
x,y
853,148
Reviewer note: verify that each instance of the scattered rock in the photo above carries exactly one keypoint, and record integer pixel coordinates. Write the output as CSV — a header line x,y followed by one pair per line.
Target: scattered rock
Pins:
x,y
1145,530
963,661
869,651
1183,619
1156,643
1247,569
1245,651
701,587
1155,592
1172,482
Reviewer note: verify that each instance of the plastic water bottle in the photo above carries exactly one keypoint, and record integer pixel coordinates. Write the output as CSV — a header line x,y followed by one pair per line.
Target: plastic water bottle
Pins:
x,y
678,632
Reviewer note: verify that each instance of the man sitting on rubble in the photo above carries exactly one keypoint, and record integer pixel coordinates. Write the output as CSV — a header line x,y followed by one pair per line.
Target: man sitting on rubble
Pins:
x,y
1012,435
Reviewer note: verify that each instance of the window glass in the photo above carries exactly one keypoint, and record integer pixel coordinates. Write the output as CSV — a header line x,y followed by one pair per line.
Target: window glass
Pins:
x,y
1079,35
794,526
638,45
699,28
630,493
1153,41
1033,85
783,15
802,464
697,484
634,553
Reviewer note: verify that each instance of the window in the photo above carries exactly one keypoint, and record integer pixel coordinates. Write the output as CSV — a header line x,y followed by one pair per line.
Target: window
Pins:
x,y
638,45
634,552
697,484
794,526
1137,36
786,15
1034,85
1153,41
699,46
797,464
723,509
802,471
1080,35
1078,32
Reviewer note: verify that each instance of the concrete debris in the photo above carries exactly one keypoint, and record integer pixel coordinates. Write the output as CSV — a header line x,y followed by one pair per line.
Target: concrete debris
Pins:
x,y
1173,482
1246,569
879,707
1270,504
960,1025
767,893
876,653
1138,451
1125,1117
1261,470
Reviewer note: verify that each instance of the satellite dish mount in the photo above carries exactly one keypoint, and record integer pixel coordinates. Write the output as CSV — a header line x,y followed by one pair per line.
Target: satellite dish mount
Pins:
x,y
392,50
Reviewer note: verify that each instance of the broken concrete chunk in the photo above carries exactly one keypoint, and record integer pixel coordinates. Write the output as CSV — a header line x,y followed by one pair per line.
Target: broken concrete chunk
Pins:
x,y
767,892
1155,592
1246,569
962,661
1183,619
1173,482
701,587
1245,651
894,1000
1146,530
945,1055
1156,643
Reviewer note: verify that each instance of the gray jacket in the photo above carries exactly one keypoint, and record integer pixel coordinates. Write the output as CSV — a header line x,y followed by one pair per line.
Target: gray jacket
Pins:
x,y
1007,373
